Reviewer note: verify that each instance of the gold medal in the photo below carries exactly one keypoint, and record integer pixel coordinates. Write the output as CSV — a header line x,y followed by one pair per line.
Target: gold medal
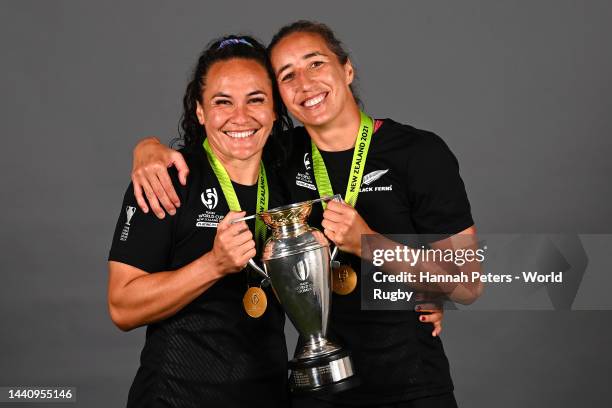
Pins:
x,y
344,279
255,301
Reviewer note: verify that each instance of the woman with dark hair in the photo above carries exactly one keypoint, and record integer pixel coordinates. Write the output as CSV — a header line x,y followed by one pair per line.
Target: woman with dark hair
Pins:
x,y
407,183
214,337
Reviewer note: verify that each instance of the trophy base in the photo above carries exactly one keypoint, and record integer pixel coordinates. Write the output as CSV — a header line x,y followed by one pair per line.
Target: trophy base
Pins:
x,y
327,374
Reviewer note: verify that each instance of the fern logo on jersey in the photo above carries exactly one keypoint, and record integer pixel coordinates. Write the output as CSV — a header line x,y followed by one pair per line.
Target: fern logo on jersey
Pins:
x,y
210,198
373,176
370,178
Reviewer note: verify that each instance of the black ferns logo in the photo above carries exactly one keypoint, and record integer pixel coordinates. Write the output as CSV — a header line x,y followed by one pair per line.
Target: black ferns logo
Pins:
x,y
300,270
209,198
373,176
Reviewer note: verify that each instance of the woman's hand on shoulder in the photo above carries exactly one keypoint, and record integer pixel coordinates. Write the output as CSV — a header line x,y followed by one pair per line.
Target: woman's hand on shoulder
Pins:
x,y
151,161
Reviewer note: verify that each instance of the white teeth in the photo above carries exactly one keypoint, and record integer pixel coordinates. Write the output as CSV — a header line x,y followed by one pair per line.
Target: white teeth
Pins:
x,y
240,135
312,102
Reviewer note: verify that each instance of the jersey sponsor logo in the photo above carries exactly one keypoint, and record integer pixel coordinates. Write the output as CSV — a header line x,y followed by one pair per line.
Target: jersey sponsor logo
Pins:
x,y
309,186
371,178
129,213
210,198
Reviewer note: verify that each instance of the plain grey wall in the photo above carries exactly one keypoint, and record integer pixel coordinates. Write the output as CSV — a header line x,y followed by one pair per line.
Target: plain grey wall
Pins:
x,y
521,92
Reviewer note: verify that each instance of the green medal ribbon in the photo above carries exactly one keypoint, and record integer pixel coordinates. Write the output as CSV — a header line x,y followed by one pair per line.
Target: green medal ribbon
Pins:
x,y
362,145
230,194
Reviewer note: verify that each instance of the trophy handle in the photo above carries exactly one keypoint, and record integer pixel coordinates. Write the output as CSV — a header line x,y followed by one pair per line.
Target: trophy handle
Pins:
x,y
334,253
258,269
251,261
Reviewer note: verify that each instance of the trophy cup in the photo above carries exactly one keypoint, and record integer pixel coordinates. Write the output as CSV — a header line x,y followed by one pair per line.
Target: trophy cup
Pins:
x,y
297,261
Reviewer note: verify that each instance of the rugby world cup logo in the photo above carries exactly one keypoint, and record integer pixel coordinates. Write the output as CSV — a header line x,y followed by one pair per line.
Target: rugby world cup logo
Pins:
x,y
300,270
210,198
307,161
129,211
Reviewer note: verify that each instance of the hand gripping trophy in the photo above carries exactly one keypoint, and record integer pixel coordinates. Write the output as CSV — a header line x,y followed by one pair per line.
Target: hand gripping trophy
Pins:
x,y
297,261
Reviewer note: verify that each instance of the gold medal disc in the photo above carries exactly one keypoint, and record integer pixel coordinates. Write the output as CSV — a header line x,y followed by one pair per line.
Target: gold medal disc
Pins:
x,y
255,301
344,280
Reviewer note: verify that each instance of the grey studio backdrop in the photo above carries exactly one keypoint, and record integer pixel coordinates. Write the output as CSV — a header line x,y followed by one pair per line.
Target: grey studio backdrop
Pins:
x,y
520,91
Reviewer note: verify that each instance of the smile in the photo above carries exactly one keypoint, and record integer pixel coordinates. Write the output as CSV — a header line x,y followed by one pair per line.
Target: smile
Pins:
x,y
314,101
240,134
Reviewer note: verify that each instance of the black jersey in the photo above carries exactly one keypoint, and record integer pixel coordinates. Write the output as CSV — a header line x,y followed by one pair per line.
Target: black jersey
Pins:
x,y
411,185
210,353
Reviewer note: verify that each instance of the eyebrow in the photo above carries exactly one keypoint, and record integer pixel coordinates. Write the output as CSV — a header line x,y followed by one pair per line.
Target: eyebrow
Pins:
x,y
305,57
252,93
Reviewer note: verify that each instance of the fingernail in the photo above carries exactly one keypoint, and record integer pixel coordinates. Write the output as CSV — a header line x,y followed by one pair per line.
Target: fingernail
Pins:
x,y
172,212
422,318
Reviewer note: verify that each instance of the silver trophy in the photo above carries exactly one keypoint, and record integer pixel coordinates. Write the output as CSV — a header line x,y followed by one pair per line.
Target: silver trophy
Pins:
x,y
297,261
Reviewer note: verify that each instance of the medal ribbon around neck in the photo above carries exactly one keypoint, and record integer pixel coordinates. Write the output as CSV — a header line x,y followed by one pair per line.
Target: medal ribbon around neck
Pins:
x,y
230,194
362,145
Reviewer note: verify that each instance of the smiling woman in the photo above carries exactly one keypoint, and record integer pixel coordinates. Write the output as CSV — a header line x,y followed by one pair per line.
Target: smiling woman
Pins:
x,y
314,83
184,276
238,114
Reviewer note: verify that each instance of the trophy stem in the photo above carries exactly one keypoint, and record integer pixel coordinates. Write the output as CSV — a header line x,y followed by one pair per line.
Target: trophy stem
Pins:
x,y
316,346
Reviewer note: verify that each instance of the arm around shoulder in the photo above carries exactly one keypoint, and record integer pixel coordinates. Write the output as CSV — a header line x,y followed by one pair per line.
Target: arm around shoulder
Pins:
x,y
151,161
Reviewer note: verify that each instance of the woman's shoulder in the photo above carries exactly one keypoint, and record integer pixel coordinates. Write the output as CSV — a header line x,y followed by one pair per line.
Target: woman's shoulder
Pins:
x,y
196,163
412,141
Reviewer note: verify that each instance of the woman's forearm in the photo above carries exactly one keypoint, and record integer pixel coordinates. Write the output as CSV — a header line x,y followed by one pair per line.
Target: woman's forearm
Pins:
x,y
137,298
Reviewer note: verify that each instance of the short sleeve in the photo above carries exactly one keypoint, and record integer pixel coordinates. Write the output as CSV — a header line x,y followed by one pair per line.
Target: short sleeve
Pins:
x,y
439,203
141,240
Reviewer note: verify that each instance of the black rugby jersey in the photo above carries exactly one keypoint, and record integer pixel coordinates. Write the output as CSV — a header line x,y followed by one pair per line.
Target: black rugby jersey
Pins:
x,y
416,190
211,353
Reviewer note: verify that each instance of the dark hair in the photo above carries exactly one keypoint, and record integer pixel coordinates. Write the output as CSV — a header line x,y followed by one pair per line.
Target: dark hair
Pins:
x,y
326,33
192,133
